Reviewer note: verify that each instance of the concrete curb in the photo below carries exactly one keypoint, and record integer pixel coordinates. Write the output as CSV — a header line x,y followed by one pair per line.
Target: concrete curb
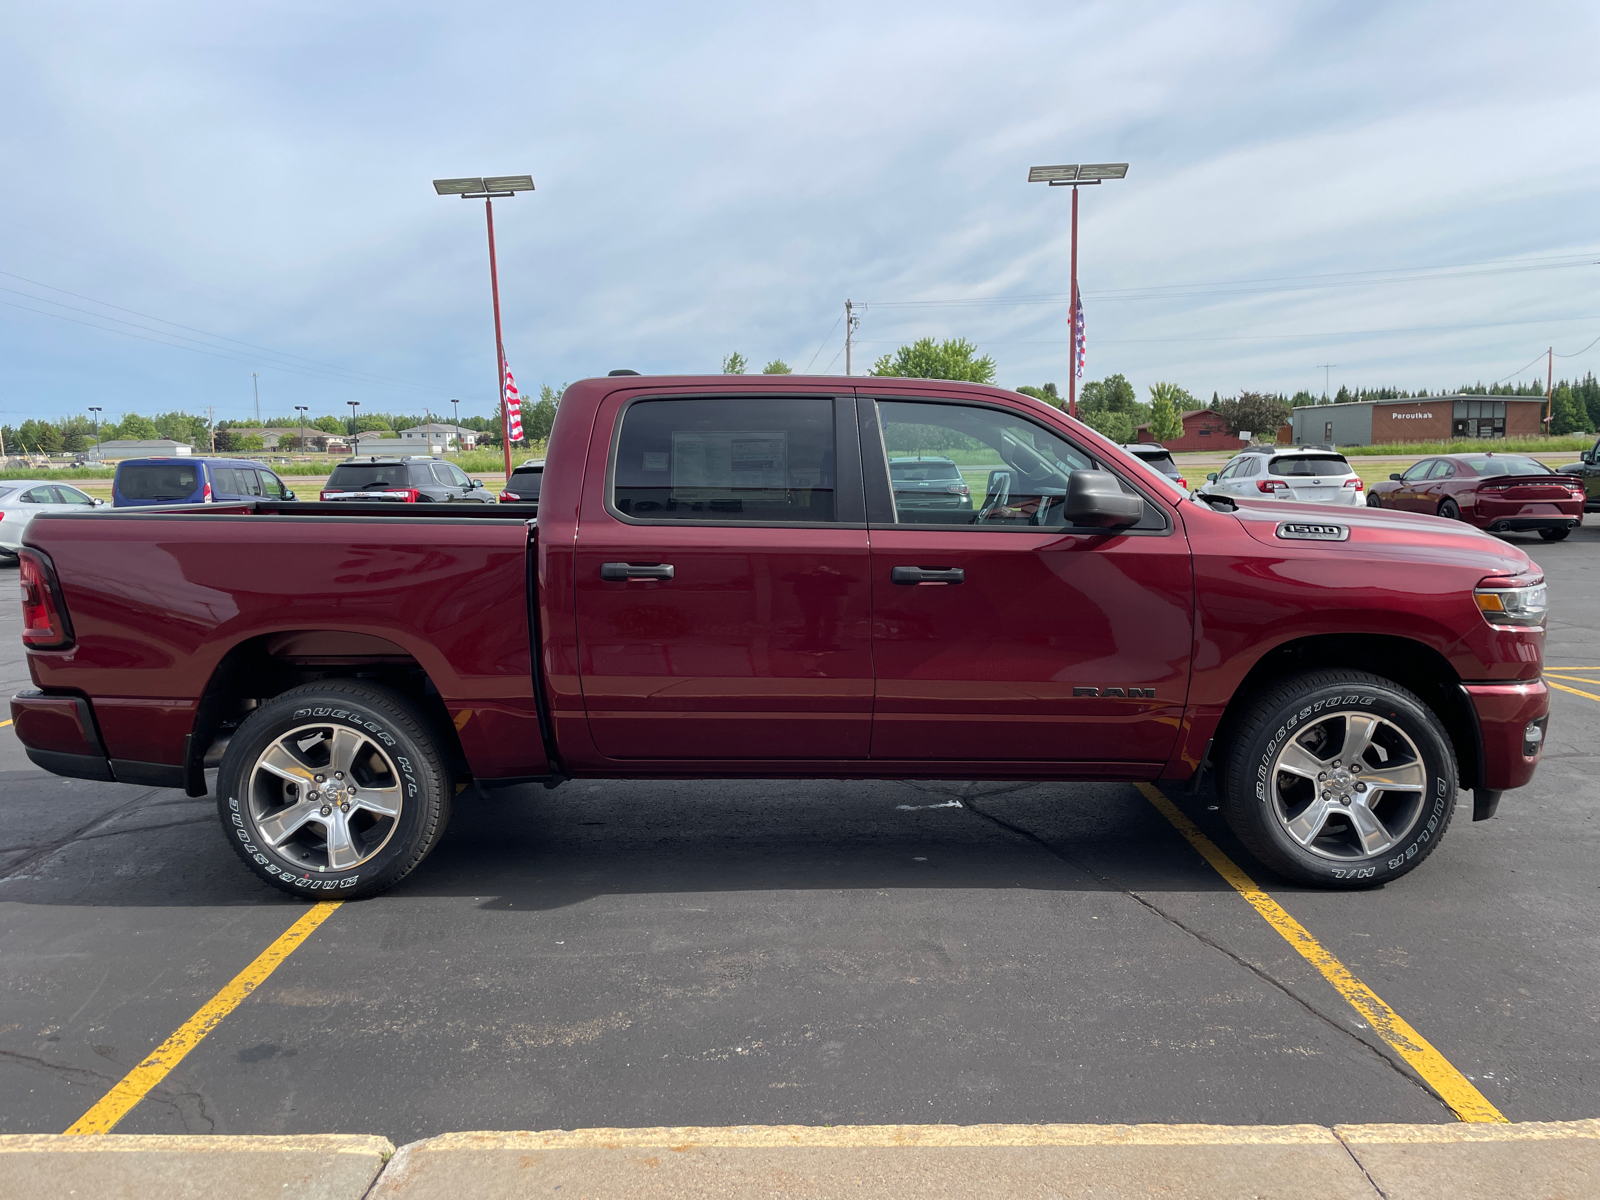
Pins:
x,y
117,1166
1532,1161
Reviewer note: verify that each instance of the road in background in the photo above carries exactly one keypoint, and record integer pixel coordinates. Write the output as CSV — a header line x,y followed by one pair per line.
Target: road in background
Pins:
x,y
640,954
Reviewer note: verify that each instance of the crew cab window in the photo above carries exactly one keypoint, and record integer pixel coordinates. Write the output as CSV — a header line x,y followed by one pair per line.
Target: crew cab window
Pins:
x,y
237,481
725,461
1418,471
458,477
443,476
271,486
38,495
1014,472
71,495
1442,470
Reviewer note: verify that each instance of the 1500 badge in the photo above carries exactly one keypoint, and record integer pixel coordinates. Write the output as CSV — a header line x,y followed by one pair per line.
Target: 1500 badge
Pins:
x,y
1126,693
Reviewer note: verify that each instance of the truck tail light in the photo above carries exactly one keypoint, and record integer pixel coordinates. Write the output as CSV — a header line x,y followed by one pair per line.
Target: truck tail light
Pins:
x,y
1355,483
44,616
1271,485
959,489
205,496
408,495
1518,601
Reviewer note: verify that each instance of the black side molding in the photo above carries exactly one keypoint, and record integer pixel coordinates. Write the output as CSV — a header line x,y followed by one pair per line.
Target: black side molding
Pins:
x,y
167,775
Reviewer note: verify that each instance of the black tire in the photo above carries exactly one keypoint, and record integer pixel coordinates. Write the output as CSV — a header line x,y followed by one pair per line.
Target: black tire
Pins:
x,y
1450,511
1373,500
1554,535
1406,743
395,761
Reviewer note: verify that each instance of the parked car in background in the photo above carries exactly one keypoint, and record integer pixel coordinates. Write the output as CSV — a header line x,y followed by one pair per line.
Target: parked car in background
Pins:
x,y
523,486
1304,474
1159,459
1501,493
141,482
412,479
23,499
928,481
1588,470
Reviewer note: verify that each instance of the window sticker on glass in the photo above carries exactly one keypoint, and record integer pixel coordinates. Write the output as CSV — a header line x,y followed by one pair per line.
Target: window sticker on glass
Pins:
x,y
717,462
657,460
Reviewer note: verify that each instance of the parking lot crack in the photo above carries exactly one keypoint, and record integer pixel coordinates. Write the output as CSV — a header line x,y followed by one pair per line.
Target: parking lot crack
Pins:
x,y
1398,1066
1360,1166
83,831
61,1070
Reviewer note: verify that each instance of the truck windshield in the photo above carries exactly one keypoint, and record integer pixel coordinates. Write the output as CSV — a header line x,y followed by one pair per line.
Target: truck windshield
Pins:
x,y
364,477
158,481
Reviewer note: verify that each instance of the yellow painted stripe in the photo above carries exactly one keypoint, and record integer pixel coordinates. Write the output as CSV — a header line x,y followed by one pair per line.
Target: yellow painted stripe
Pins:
x,y
1561,687
1452,1086
3,724
136,1084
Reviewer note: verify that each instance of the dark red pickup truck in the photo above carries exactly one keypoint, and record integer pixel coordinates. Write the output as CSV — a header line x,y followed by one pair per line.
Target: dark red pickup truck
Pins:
x,y
734,577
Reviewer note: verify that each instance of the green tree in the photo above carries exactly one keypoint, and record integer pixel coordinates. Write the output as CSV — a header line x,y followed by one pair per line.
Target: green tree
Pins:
x,y
1111,394
134,428
1301,399
953,358
1047,393
1165,398
777,367
330,425
1567,414
373,423
1587,390
734,364
540,417
76,441
1259,412
50,439
247,441
1117,426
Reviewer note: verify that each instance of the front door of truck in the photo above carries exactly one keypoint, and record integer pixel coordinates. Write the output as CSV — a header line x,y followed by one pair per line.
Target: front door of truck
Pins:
x,y
723,597
1001,634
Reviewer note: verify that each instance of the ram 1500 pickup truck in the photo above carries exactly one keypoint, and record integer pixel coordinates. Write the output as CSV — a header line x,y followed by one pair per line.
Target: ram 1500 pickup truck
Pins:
x,y
725,578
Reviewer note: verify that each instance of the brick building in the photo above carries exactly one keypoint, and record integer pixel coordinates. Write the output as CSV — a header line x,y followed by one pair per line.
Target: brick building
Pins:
x,y
1203,429
1432,419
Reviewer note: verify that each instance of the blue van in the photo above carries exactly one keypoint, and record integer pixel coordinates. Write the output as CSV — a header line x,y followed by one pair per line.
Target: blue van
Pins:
x,y
145,481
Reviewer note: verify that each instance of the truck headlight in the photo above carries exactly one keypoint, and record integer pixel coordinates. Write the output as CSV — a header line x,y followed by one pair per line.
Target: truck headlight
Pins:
x,y
1515,602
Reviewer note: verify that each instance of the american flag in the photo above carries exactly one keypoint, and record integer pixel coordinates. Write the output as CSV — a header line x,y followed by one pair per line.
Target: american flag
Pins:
x,y
1079,341
513,403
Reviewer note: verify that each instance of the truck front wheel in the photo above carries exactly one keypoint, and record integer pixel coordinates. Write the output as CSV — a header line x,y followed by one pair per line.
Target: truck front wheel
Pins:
x,y
334,789
1340,779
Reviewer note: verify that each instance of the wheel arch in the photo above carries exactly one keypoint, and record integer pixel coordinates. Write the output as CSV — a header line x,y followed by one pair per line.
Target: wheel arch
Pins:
x,y
1414,666
268,664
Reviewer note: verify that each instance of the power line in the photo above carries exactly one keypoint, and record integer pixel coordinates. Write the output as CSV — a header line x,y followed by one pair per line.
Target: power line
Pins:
x,y
1585,350
823,345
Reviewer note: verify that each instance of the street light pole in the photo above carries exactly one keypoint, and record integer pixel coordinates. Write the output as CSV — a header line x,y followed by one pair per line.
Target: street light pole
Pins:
x,y
1075,176
456,406
354,404
302,409
96,410
487,188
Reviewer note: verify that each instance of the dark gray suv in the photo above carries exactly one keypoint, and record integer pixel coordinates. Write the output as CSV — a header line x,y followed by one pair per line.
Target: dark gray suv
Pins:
x,y
414,479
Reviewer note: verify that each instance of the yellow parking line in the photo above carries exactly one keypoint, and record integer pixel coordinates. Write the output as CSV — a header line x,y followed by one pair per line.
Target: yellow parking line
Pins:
x,y
136,1084
1564,688
3,724
1452,1086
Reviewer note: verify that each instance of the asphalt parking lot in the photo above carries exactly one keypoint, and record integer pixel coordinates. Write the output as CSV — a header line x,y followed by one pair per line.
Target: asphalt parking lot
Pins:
x,y
651,954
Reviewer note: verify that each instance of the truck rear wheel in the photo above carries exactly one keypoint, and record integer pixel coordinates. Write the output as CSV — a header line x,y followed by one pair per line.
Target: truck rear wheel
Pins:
x,y
1340,779
334,789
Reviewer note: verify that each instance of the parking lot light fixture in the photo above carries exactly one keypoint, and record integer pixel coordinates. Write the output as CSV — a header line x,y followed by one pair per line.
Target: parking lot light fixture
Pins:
x,y
1075,175
302,409
488,188
96,410
354,404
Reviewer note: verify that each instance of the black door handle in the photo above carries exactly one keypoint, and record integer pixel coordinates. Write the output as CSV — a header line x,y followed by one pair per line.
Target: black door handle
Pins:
x,y
620,571
927,575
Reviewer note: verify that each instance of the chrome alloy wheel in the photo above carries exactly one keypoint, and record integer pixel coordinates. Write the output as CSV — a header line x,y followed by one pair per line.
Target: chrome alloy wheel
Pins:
x,y
325,797
1349,786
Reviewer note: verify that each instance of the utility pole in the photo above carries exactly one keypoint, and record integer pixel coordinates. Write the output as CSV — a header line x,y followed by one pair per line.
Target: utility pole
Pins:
x,y
1327,375
256,388
211,427
852,322
456,404
1549,387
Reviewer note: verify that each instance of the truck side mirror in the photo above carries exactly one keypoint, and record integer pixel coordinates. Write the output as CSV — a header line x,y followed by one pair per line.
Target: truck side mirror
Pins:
x,y
1096,498
1396,478
1211,478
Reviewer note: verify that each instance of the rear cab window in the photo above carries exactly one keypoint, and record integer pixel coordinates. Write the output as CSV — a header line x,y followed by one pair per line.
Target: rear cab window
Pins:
x,y
725,461
158,481
366,477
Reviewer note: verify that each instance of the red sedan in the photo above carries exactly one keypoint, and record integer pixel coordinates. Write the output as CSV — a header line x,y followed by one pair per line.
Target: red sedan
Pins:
x,y
1498,492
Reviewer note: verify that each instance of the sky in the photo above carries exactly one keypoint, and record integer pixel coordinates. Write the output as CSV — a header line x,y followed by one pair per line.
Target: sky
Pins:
x,y
195,192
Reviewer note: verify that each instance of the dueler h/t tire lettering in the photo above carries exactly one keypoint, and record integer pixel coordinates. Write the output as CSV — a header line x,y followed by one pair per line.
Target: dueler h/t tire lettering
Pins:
x,y
334,789
1340,779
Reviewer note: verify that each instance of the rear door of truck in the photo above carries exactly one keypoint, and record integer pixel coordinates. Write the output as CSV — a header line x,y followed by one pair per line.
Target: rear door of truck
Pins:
x,y
723,601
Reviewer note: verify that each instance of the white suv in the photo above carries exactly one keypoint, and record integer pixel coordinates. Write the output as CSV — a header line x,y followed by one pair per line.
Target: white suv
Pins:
x,y
1308,474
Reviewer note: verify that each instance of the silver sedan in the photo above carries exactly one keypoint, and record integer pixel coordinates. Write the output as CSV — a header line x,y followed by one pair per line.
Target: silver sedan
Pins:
x,y
23,499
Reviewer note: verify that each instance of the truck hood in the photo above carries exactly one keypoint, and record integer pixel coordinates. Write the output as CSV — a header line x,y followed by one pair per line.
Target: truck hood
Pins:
x,y
1375,532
